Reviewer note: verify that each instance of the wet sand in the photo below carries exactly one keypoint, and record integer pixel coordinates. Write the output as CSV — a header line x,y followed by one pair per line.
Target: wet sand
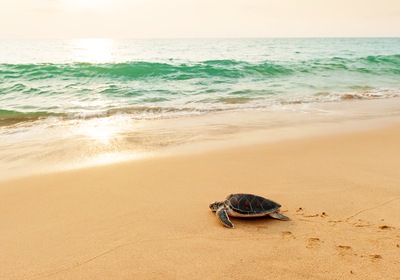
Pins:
x,y
149,218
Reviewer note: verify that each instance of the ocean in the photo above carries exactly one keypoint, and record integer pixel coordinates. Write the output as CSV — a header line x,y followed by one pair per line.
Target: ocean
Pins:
x,y
78,102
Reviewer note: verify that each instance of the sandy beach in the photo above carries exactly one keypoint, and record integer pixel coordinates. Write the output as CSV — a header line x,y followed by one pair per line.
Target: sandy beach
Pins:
x,y
149,218
121,122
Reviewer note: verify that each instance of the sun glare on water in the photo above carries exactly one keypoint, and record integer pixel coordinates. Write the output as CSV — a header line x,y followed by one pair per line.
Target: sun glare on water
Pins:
x,y
93,50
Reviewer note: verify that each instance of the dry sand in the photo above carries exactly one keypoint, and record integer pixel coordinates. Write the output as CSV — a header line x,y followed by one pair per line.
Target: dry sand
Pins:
x,y
149,219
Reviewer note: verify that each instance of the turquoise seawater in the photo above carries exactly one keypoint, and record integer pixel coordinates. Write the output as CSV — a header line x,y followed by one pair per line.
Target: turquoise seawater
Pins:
x,y
72,100
164,78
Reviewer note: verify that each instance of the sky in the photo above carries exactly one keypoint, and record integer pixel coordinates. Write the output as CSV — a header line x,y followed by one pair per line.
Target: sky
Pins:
x,y
42,19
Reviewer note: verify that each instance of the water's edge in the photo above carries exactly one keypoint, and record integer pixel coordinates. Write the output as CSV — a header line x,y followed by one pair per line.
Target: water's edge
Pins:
x,y
102,142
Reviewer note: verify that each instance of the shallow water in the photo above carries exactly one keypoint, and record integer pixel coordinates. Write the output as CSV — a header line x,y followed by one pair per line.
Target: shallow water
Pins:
x,y
70,103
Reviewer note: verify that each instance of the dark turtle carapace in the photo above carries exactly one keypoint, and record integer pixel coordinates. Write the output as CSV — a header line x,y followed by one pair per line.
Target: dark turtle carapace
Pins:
x,y
246,206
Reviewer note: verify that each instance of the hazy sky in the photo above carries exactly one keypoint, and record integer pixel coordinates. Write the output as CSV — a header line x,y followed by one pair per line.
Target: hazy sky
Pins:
x,y
198,18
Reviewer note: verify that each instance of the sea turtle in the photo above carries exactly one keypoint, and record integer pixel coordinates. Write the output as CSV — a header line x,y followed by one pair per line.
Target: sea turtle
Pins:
x,y
246,205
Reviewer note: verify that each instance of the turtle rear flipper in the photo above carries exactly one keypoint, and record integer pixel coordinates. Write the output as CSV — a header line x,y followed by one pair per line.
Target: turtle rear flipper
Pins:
x,y
279,216
223,216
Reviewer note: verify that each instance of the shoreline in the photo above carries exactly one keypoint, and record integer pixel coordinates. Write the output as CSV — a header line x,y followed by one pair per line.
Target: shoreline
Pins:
x,y
80,144
149,218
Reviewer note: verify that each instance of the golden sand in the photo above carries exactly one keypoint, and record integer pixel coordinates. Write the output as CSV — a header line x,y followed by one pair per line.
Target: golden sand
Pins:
x,y
149,219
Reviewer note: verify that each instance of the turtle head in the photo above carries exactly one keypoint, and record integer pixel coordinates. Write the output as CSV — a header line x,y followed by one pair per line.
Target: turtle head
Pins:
x,y
216,205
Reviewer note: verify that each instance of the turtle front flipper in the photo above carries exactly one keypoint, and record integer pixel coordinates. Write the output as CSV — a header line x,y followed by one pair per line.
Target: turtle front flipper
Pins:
x,y
279,216
223,216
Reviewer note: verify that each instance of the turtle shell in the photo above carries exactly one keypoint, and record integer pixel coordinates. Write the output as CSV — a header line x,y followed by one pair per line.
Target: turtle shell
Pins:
x,y
249,204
